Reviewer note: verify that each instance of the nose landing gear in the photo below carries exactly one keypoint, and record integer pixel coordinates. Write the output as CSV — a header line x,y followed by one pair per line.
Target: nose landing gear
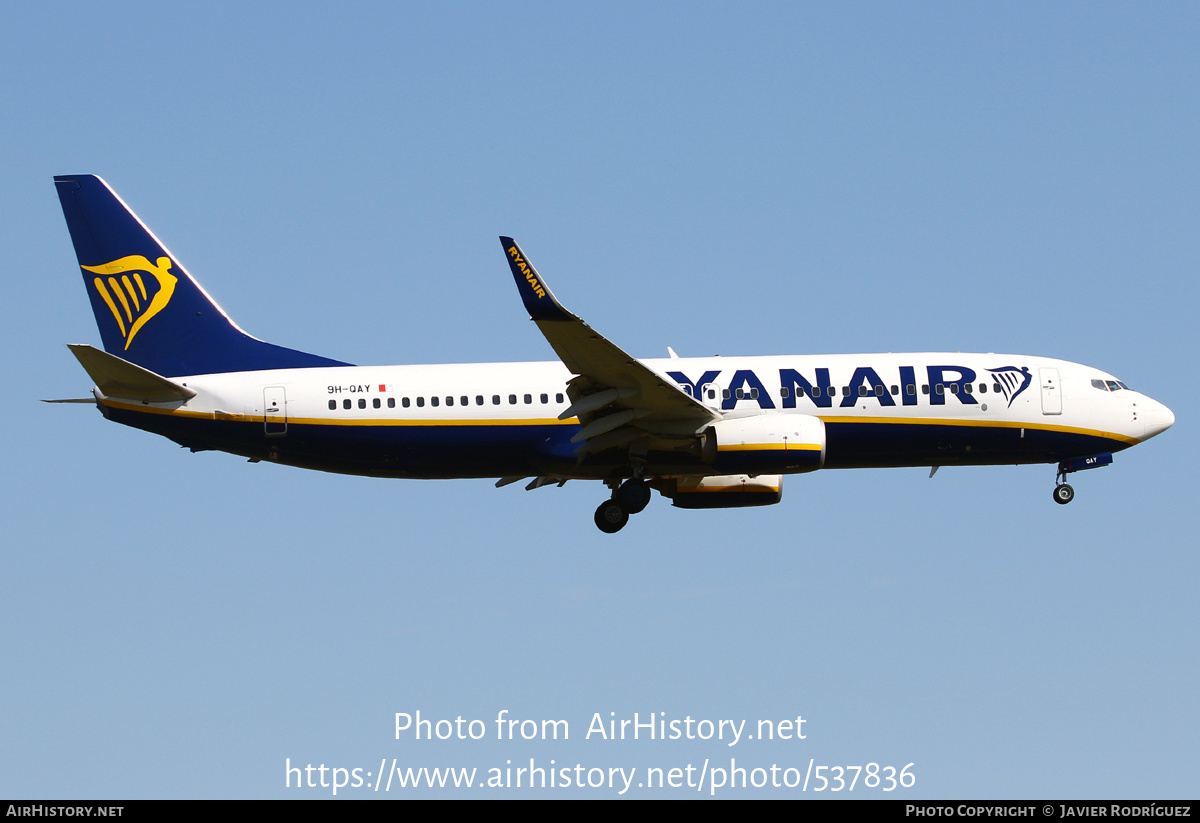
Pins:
x,y
1063,493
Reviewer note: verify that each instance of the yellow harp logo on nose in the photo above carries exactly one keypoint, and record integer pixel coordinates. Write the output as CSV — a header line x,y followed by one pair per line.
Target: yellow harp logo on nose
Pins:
x,y
123,290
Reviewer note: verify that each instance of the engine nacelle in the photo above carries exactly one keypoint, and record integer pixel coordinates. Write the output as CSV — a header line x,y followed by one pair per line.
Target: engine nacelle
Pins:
x,y
722,492
766,444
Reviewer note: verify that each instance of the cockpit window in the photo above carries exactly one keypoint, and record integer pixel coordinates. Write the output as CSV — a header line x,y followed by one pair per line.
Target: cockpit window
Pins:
x,y
1099,384
1109,385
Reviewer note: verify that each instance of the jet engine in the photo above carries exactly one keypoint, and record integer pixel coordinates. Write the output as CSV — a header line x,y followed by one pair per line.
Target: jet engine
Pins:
x,y
766,444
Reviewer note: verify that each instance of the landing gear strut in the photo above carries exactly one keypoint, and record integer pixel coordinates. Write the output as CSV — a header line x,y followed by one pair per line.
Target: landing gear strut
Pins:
x,y
629,498
1063,493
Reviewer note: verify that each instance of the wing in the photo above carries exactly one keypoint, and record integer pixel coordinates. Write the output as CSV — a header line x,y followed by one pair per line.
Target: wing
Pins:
x,y
617,399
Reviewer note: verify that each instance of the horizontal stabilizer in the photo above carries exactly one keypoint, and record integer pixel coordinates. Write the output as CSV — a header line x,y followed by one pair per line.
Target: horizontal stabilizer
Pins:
x,y
119,378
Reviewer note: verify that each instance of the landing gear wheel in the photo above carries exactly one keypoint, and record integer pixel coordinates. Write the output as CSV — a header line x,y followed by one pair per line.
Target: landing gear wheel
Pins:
x,y
634,495
611,517
1063,494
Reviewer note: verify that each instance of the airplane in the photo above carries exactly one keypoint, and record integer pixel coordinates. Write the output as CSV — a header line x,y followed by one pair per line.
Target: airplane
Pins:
x,y
704,432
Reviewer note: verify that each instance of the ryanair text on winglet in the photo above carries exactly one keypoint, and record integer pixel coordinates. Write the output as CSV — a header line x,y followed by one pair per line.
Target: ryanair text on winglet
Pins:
x,y
528,270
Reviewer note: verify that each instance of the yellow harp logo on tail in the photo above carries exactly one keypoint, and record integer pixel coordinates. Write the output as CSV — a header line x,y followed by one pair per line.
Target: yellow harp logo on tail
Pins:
x,y
123,290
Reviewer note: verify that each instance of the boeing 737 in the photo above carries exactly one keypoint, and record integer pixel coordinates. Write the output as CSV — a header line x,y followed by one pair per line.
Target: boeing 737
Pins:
x,y
710,432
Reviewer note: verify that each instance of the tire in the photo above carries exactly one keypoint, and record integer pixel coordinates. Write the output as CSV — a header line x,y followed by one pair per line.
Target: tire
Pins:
x,y
1063,494
634,495
611,517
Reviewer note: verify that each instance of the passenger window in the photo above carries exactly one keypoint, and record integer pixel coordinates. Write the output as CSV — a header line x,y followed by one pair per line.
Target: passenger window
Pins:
x,y
754,394
433,401
332,405
996,387
740,394
479,400
725,394
939,388
545,399
879,391
420,402
970,389
464,401
895,389
783,392
712,395
512,400
558,398
983,388
404,402
910,388
346,403
924,388
528,399
862,391
845,391
495,400
376,402
954,388
391,402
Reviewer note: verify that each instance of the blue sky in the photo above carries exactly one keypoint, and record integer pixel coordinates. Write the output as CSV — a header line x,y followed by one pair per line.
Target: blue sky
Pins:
x,y
735,179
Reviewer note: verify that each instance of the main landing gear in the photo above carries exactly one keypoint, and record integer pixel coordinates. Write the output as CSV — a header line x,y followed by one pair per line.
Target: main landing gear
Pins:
x,y
629,498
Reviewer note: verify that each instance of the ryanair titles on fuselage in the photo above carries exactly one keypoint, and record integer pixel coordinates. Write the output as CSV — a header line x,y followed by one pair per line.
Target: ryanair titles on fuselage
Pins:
x,y
958,381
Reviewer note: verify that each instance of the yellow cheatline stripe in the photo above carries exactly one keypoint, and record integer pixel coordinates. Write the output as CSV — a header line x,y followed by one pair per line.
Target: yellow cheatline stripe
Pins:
x,y
553,421
983,424
770,447
112,307
132,294
739,488
112,283
335,421
320,421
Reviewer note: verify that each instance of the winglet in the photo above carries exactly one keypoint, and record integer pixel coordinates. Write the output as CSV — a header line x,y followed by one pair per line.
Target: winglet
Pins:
x,y
539,300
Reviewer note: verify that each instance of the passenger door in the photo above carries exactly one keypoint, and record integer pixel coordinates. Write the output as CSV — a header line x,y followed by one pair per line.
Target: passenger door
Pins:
x,y
275,411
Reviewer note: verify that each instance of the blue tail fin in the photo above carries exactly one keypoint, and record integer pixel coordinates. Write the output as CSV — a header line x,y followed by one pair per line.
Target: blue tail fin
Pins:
x,y
149,309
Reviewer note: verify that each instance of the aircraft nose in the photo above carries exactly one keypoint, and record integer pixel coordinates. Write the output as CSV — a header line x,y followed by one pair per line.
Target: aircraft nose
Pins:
x,y
1158,418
